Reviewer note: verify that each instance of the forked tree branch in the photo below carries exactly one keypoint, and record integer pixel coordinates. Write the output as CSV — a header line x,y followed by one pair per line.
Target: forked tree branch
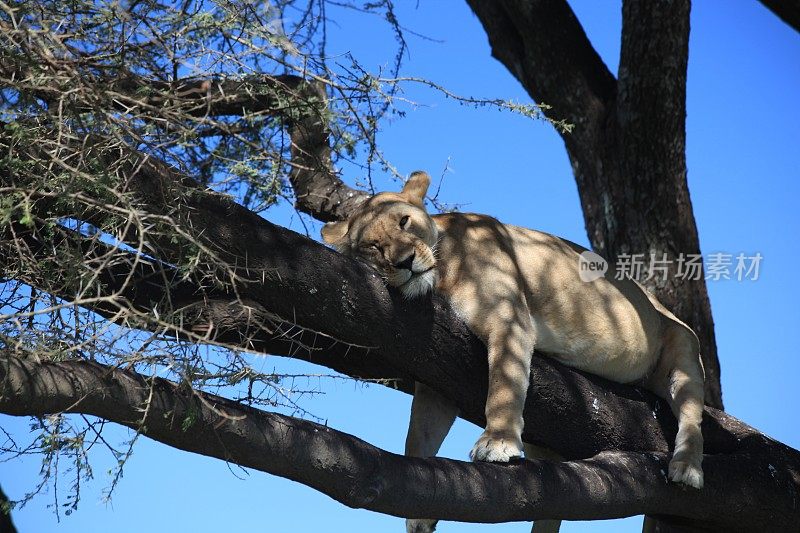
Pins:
x,y
303,104
360,475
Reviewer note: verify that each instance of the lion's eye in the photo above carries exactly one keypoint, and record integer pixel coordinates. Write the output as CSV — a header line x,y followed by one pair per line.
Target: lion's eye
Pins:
x,y
403,222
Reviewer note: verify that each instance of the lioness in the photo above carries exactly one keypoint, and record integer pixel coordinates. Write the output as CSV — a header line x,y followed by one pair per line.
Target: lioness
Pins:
x,y
518,289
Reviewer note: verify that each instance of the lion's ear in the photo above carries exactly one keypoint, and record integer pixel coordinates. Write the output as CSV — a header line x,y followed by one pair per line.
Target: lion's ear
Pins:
x,y
416,187
334,232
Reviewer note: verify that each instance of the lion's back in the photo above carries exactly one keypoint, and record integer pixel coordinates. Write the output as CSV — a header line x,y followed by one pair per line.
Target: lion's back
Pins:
x,y
605,326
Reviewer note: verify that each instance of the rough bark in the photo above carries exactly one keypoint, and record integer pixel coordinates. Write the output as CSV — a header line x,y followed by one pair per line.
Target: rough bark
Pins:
x,y
628,146
359,475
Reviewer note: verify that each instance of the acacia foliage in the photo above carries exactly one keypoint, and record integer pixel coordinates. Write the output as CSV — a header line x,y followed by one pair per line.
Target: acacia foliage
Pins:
x,y
116,118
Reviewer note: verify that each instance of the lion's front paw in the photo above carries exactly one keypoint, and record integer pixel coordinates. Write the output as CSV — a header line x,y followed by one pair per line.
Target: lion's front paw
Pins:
x,y
496,449
419,525
686,473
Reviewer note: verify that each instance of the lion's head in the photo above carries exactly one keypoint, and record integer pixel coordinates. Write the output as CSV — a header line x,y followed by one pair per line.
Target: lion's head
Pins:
x,y
393,233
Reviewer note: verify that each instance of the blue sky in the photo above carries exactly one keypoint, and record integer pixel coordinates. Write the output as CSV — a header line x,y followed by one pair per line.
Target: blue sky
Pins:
x,y
744,176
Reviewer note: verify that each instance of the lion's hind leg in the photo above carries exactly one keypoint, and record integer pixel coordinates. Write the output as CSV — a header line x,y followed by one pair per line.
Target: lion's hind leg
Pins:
x,y
678,378
431,419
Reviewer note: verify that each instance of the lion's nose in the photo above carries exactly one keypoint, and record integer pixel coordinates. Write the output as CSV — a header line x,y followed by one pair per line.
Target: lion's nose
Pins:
x,y
407,262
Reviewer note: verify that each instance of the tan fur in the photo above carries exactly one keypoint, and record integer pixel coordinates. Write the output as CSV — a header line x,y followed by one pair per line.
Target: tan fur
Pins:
x,y
518,289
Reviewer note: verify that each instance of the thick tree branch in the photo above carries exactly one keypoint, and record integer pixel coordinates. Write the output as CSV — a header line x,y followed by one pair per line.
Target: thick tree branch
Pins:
x,y
359,475
544,46
319,191
133,286
350,318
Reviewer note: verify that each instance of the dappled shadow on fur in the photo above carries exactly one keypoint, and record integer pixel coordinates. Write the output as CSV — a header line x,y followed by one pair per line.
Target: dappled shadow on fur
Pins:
x,y
520,289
